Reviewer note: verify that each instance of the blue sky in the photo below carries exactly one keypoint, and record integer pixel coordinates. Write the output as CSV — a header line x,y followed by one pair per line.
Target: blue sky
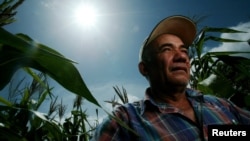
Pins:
x,y
107,51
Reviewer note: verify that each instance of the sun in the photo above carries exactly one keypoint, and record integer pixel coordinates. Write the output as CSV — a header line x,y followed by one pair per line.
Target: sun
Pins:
x,y
85,15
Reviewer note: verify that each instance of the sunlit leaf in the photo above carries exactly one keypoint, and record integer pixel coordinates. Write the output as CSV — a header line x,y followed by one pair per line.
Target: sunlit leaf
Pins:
x,y
5,102
222,30
17,53
218,39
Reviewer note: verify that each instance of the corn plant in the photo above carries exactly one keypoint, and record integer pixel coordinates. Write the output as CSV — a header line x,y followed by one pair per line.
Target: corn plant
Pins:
x,y
77,125
231,71
122,95
18,51
20,119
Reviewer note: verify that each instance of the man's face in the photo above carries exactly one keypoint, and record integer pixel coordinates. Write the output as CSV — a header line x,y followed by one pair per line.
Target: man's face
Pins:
x,y
170,61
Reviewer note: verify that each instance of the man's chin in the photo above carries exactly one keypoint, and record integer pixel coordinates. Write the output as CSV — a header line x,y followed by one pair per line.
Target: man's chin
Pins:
x,y
180,82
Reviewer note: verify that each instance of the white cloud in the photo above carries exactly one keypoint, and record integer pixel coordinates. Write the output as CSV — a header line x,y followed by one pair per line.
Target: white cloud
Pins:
x,y
49,3
241,46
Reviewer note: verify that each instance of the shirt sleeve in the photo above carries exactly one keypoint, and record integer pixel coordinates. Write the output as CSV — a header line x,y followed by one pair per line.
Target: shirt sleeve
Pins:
x,y
242,114
111,130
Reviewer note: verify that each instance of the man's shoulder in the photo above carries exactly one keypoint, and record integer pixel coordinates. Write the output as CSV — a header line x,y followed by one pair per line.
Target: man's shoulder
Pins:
x,y
128,109
207,98
215,100
136,105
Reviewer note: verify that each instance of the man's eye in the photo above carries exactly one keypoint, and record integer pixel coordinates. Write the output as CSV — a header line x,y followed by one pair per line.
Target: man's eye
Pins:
x,y
184,50
165,49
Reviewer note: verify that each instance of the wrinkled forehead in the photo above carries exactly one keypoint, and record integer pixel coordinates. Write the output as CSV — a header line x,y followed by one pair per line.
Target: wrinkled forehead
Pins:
x,y
165,39
168,39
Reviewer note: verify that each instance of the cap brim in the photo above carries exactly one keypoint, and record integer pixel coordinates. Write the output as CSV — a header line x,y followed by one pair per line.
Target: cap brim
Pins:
x,y
180,26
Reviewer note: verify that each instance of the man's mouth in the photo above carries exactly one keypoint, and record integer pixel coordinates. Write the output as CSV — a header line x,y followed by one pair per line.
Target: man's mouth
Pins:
x,y
179,68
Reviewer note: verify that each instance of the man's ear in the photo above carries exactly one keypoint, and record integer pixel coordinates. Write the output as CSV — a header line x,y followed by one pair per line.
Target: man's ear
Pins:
x,y
143,68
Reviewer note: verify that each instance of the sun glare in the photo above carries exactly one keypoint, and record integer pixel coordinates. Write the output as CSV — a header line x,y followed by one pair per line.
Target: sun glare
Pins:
x,y
86,15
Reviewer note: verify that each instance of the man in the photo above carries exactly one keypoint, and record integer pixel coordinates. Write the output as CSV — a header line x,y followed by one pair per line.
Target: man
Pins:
x,y
170,111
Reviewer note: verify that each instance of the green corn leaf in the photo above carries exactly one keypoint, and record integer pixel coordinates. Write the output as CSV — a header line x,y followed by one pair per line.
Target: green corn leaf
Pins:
x,y
5,102
222,30
218,39
22,51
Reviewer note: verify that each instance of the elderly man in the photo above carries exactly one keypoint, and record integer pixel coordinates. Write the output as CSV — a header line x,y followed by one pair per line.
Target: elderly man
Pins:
x,y
170,111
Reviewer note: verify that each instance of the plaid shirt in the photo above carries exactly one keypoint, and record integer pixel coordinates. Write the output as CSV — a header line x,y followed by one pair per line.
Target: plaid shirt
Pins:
x,y
161,122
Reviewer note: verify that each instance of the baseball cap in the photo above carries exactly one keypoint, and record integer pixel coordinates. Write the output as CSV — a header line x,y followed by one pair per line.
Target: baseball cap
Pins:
x,y
181,26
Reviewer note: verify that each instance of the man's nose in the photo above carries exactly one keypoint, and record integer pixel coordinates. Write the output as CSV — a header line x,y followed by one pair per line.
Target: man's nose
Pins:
x,y
180,56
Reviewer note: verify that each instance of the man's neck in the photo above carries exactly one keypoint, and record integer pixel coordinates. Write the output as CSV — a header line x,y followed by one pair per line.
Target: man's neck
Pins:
x,y
173,96
177,99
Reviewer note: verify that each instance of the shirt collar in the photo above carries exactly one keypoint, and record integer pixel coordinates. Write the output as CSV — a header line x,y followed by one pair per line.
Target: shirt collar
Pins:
x,y
148,102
